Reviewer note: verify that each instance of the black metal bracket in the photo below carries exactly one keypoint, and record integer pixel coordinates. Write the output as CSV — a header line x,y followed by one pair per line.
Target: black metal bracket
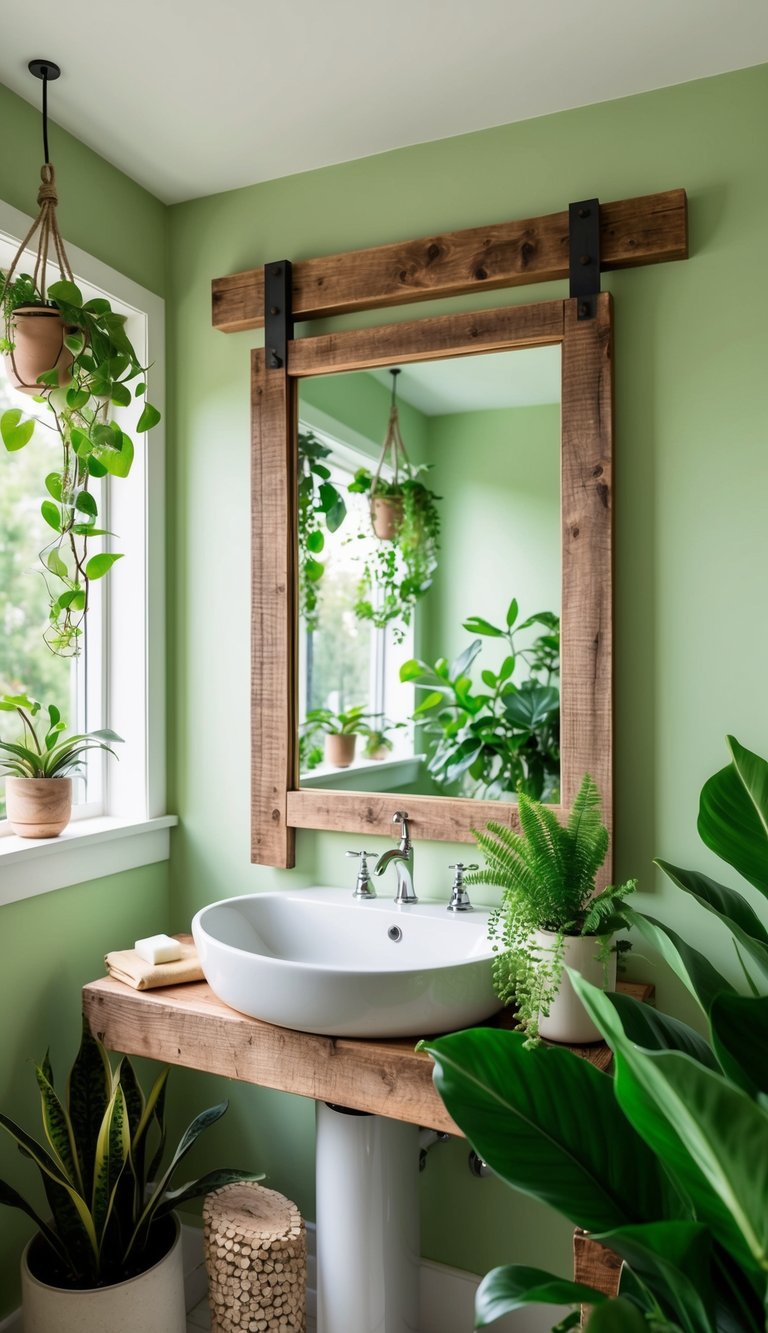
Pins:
x,y
584,255
278,312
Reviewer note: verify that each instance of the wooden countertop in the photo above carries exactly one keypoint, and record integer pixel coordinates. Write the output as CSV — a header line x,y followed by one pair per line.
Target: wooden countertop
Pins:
x,y
187,1025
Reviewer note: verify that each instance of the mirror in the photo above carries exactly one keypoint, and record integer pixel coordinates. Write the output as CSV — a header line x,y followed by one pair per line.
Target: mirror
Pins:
x,y
429,577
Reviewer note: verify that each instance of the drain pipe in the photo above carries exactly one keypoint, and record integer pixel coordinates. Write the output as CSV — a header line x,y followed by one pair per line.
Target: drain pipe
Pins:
x,y
427,1140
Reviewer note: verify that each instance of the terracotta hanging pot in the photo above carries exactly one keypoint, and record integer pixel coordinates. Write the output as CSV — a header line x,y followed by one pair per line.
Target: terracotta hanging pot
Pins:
x,y
38,807
386,516
340,749
38,334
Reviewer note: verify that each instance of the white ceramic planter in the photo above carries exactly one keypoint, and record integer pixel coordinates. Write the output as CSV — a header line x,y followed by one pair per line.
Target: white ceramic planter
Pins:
x,y
153,1302
38,807
568,1020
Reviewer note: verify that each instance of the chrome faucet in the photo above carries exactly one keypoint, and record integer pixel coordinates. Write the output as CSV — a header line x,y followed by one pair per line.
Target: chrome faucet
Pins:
x,y
402,859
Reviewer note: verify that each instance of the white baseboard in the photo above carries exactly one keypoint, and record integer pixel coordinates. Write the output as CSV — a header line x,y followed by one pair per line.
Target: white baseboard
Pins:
x,y
12,1323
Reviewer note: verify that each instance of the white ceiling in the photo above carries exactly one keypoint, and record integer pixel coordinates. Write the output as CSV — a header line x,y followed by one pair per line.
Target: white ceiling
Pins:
x,y
191,97
528,377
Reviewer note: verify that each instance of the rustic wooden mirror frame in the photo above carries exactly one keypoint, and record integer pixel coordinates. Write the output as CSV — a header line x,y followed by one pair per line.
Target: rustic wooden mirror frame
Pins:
x,y
646,230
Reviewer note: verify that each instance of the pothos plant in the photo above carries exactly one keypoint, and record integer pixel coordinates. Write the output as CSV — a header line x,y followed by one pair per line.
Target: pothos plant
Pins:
x,y
547,874
503,738
105,373
398,572
320,504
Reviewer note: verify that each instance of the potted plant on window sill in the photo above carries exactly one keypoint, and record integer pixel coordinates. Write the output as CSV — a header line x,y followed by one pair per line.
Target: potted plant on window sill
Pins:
x,y
38,783
551,917
341,731
110,1256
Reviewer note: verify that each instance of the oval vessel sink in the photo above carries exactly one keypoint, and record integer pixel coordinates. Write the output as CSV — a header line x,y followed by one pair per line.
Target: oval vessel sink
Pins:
x,y
319,960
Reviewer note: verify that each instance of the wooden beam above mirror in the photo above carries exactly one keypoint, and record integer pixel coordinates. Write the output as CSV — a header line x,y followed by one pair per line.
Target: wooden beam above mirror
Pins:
x,y
651,229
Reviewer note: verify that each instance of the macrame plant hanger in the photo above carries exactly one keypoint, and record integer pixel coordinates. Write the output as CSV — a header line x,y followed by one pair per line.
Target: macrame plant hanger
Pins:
x,y
49,240
393,448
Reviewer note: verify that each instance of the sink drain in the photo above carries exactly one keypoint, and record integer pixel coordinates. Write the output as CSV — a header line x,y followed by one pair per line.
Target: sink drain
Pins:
x,y
395,933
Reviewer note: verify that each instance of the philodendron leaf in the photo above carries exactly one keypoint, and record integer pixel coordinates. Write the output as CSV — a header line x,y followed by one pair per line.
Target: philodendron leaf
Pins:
x,y
733,815
730,907
655,1031
739,1026
711,1138
694,970
15,432
65,292
51,514
619,1316
504,1290
149,418
516,1107
99,565
674,1260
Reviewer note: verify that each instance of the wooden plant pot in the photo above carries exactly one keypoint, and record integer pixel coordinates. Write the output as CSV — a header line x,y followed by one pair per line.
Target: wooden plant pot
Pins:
x,y
340,750
568,1020
386,517
38,807
152,1302
38,333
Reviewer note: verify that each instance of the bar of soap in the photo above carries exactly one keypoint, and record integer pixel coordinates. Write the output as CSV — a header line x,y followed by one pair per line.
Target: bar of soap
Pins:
x,y
158,949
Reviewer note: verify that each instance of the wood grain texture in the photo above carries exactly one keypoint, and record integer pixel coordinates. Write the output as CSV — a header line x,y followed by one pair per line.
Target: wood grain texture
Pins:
x,y
595,1266
187,1025
273,612
586,506
651,229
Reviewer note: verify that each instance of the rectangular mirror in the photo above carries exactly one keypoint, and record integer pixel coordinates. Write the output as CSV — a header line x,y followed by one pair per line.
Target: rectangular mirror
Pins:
x,y
440,647
429,574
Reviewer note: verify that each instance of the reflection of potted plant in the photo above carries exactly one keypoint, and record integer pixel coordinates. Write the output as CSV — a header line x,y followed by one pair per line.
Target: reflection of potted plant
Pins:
x,y
341,731
550,917
320,505
39,769
100,370
505,738
110,1255
406,519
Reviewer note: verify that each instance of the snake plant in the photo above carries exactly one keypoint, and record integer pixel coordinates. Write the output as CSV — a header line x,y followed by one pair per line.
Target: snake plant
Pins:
x,y
49,753
106,1189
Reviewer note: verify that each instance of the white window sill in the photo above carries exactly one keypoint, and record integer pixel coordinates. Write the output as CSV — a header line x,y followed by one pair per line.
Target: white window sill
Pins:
x,y
366,774
88,849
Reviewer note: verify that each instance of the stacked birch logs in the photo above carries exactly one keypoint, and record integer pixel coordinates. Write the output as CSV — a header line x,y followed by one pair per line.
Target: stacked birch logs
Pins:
x,y
256,1257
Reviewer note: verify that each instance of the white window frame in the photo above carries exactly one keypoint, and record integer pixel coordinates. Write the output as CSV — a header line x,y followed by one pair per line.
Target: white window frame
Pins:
x,y
133,828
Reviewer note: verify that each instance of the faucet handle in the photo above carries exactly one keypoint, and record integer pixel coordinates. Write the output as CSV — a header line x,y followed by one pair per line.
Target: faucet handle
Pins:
x,y
401,817
363,886
459,896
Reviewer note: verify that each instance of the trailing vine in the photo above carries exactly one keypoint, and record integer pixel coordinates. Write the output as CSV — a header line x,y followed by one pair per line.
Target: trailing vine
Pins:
x,y
320,505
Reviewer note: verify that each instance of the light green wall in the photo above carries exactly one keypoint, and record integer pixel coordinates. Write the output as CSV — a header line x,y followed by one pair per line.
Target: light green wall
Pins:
x,y
360,402
53,944
498,473
691,636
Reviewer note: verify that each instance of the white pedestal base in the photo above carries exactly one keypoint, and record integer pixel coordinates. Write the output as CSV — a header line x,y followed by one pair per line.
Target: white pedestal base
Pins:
x,y
367,1224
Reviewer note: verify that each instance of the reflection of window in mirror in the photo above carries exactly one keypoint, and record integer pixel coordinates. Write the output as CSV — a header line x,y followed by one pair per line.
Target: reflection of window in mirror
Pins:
x,y
459,696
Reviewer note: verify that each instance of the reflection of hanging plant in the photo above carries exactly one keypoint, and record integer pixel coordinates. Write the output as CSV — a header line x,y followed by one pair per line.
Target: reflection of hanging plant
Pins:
x,y
505,738
406,521
320,505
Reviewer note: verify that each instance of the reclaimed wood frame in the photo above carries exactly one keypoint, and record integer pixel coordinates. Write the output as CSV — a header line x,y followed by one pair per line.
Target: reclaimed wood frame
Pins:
x,y
279,805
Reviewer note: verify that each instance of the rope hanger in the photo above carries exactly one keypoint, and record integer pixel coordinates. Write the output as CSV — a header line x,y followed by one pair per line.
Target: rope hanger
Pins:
x,y
393,443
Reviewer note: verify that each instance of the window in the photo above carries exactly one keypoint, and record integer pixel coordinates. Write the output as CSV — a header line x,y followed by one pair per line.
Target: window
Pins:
x,y
118,680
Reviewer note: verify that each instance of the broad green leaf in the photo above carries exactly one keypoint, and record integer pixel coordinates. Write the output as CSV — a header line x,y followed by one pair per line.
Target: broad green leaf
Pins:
x,y
15,432
121,395
66,293
694,970
431,701
512,612
655,1031
118,462
86,504
619,1316
81,442
313,570
74,343
188,1140
53,485
149,418
733,815
89,1088
56,565
315,541
112,1149
727,904
90,530
476,625
461,664
51,514
739,1027
57,1187
506,1289
334,517
96,468
531,705
98,305
99,565
516,1107
674,1260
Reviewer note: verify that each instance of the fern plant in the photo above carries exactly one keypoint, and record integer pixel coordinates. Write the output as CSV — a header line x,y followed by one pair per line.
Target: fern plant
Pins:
x,y
547,874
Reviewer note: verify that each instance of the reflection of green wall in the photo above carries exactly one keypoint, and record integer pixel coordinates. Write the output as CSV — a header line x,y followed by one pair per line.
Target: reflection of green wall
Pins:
x,y
360,404
498,473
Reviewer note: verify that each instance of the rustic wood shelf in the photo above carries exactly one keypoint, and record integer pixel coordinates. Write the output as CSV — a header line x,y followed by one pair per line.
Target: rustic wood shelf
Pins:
x,y
187,1025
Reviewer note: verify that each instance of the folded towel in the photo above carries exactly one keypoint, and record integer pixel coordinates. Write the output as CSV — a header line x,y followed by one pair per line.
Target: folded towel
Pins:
x,y
126,965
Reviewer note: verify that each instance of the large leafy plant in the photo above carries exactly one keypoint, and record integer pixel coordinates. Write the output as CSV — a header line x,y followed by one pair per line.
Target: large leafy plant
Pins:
x,y
666,1162
398,573
505,737
321,506
101,1166
45,750
547,873
105,373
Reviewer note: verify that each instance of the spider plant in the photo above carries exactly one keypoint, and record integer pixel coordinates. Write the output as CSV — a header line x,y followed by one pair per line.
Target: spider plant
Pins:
x,y
548,874
45,750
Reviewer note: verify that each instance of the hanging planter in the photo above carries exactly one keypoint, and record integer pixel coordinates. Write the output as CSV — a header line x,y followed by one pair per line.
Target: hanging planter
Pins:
x,y
75,356
406,521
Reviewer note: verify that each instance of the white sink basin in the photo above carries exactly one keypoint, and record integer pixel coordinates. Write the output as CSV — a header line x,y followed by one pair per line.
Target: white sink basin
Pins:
x,y
322,961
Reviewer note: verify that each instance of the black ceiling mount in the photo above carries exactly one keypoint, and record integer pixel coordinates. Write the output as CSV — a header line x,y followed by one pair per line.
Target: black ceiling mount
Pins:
x,y
278,312
584,255
44,69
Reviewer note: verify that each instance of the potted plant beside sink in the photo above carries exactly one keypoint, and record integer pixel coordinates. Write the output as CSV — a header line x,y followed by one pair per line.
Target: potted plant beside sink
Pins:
x,y
551,916
109,1256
